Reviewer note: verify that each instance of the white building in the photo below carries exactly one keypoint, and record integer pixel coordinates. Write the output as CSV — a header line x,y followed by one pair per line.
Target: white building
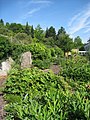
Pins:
x,y
82,52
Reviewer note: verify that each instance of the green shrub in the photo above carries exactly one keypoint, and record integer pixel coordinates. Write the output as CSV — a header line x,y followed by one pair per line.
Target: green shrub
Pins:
x,y
59,52
77,70
5,48
42,64
44,96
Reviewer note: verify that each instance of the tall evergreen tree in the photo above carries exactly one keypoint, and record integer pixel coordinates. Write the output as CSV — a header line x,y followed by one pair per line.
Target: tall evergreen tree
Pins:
x,y
27,29
1,22
32,32
47,33
52,32
61,31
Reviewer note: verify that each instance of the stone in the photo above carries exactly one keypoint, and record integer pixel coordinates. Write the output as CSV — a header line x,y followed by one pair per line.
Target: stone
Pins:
x,y
6,65
11,61
26,60
3,73
55,69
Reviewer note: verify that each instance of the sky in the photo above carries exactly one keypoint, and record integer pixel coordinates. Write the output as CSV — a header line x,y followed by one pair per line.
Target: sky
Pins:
x,y
73,15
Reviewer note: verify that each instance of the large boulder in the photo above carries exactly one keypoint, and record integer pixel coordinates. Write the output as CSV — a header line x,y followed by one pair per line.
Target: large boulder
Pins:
x,y
6,65
26,60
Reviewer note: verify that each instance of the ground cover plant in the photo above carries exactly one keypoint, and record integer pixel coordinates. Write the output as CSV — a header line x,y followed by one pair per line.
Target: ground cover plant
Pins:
x,y
33,94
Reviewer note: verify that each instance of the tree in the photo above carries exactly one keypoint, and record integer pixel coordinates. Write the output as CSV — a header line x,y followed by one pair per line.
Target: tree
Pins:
x,y
49,41
7,24
78,42
27,29
1,22
39,33
15,27
52,32
47,33
32,32
61,31
65,42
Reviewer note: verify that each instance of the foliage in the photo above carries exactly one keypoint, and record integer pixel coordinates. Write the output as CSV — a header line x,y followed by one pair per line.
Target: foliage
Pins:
x,y
15,27
59,52
39,33
42,64
27,29
50,42
47,33
78,42
44,96
17,50
5,47
40,51
5,32
32,32
1,22
57,55
61,31
51,32
37,94
77,69
64,41
41,55
22,38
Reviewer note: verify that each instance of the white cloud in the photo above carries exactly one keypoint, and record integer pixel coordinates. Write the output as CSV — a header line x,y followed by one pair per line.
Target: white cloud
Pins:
x,y
31,12
86,31
38,5
40,2
80,21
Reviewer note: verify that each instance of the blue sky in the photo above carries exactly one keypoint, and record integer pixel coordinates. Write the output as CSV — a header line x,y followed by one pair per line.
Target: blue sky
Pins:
x,y
73,15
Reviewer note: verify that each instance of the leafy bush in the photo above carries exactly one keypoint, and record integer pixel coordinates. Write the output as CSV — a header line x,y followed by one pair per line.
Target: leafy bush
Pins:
x,y
41,55
42,64
77,69
59,52
5,47
43,96
39,51
22,38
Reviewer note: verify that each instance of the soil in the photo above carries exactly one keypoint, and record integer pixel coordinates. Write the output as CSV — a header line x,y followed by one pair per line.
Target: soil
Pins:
x,y
2,102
